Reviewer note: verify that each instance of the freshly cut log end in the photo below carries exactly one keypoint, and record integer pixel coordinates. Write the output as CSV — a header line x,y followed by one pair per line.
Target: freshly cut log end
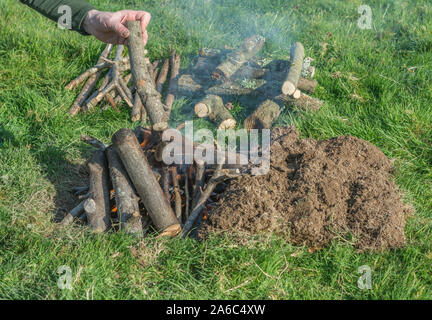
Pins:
x,y
264,116
288,88
296,94
171,231
213,106
97,206
296,57
144,180
228,124
201,110
237,58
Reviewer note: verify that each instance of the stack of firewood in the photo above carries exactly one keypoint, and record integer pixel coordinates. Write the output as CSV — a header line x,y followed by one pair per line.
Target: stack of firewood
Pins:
x,y
118,84
220,78
130,187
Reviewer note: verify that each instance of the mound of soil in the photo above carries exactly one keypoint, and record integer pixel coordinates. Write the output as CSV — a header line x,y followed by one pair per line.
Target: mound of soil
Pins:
x,y
316,191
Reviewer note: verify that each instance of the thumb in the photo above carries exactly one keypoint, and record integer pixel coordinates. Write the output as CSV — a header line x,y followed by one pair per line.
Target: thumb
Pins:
x,y
121,30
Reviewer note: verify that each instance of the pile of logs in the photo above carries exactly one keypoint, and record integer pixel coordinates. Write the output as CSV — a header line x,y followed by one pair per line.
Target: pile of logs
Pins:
x,y
130,188
118,84
218,79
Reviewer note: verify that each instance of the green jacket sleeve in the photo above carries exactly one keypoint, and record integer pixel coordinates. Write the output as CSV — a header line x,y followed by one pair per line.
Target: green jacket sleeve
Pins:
x,y
50,9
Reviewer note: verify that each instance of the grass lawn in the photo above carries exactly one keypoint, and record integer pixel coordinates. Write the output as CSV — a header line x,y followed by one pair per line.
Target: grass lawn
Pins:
x,y
376,84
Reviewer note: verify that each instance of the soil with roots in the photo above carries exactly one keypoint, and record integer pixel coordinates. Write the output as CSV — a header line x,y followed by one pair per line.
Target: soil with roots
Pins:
x,y
316,191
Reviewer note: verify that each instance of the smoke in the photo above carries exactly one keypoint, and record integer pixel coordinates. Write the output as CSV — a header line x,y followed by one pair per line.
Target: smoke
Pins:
x,y
219,23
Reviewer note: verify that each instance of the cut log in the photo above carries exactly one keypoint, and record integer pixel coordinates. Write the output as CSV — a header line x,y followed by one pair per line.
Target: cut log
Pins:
x,y
162,76
307,85
296,58
165,181
172,87
97,206
199,182
141,174
177,197
75,212
305,102
213,107
237,58
136,109
187,85
264,116
150,97
125,195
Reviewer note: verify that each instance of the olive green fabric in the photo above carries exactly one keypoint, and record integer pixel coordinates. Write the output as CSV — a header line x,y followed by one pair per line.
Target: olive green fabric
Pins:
x,y
50,9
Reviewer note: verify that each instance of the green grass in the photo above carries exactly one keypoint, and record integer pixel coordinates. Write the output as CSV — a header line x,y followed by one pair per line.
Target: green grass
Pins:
x,y
40,152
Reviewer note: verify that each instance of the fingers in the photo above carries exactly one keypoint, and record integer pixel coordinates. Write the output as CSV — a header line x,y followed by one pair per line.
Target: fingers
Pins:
x,y
121,30
118,24
145,38
144,18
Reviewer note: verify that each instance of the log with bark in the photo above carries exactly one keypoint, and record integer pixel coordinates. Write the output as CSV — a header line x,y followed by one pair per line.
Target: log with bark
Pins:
x,y
97,205
305,102
267,112
141,174
213,107
294,73
237,58
264,116
150,97
172,87
125,195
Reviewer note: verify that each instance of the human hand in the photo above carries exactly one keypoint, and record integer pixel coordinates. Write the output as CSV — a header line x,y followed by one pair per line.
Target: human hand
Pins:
x,y
110,27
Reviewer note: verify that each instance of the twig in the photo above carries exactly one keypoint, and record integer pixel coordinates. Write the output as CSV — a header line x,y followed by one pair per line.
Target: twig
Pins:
x,y
172,88
186,190
93,142
162,76
177,199
116,82
89,85
68,219
199,182
217,177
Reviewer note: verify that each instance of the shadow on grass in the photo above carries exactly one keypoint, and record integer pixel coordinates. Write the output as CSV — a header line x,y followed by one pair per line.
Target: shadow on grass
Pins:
x,y
63,174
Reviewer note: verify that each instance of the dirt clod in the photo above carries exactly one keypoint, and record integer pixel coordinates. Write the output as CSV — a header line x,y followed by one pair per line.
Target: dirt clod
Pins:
x,y
317,191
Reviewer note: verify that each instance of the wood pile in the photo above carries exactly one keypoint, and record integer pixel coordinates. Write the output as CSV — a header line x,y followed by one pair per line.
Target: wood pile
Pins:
x,y
130,188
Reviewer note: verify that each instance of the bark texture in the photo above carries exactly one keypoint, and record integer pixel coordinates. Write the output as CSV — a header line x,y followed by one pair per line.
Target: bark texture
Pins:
x,y
141,174
125,195
150,97
213,107
99,214
296,57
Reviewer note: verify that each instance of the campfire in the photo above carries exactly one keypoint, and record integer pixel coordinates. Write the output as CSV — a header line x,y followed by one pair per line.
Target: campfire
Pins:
x,y
130,187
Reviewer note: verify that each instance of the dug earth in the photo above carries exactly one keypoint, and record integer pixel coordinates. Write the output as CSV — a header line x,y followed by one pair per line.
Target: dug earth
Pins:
x,y
317,191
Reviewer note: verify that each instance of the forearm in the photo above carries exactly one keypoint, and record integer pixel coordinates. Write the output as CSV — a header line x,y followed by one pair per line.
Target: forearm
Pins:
x,y
50,9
